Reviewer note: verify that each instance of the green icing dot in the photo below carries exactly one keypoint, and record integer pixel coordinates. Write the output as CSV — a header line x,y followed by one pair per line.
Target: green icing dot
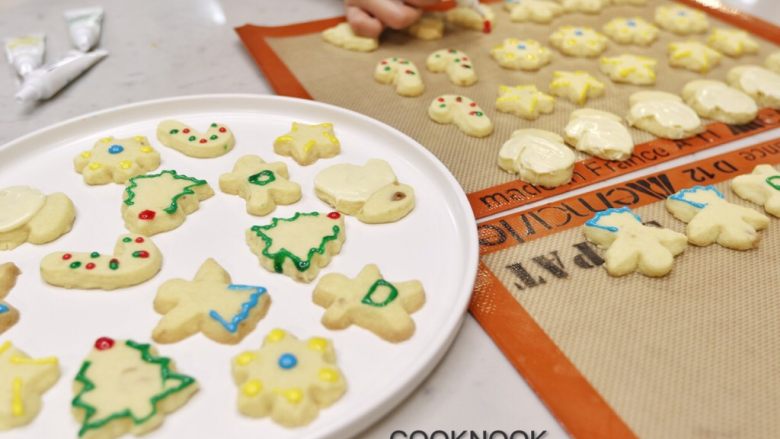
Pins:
x,y
174,131
213,137
214,125
94,255
192,138
126,239
387,68
76,264
442,105
114,264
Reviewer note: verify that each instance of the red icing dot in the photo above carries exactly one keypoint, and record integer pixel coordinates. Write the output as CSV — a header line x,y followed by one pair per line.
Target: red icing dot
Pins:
x,y
222,129
185,131
202,140
384,62
139,240
471,113
459,99
473,104
408,72
465,58
104,343
440,99
67,256
334,215
89,266
486,27
143,254
147,215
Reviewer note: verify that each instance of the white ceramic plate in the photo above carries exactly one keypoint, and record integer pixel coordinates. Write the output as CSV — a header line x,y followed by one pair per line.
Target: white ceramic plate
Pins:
x,y
436,243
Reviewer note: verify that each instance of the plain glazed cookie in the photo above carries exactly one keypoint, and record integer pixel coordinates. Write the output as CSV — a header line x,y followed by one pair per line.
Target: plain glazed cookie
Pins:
x,y
577,86
308,143
759,83
471,19
8,314
455,63
693,55
23,381
537,11
216,141
662,114
599,133
586,6
716,100
116,160
762,187
630,69
401,73
772,62
732,42
342,36
680,19
463,112
538,157
633,30
578,41
27,215
524,101
263,185
517,54
428,27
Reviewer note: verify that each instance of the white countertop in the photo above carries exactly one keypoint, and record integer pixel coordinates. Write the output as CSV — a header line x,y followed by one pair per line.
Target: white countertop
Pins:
x,y
180,47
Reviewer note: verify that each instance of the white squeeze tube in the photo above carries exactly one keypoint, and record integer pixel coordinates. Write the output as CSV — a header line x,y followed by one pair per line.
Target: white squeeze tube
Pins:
x,y
45,82
25,53
84,27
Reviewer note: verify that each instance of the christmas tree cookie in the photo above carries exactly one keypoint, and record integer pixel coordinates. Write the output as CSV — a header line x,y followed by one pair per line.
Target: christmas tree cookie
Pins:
x,y
298,246
263,185
8,314
23,381
216,141
760,187
308,143
27,215
116,160
288,379
155,203
223,311
125,387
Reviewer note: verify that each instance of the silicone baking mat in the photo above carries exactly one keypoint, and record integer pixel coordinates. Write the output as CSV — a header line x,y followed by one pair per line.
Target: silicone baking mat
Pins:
x,y
298,63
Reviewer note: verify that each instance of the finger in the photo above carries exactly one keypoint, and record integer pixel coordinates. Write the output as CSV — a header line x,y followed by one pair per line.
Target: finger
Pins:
x,y
422,3
362,23
394,14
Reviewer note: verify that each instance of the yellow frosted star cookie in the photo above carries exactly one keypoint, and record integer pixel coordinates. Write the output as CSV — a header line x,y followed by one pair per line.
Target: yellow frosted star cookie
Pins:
x,y
681,19
761,84
308,143
599,133
716,100
8,314
578,41
586,6
116,160
263,185
27,215
633,30
762,186
216,141
428,27
455,63
471,19
521,54
538,11
23,381
772,62
577,86
342,36
538,157
631,69
732,42
693,55
662,114
402,73
463,112
524,101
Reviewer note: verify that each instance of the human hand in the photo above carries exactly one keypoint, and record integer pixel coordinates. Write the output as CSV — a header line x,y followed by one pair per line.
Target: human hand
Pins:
x,y
368,18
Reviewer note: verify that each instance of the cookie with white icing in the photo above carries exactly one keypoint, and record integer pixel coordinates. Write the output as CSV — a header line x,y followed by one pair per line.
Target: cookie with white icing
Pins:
x,y
662,114
537,156
585,6
263,185
524,101
23,381
455,63
579,41
716,100
537,11
216,141
27,215
428,27
470,19
693,55
732,42
463,112
8,314
762,187
759,83
308,143
401,73
630,69
599,133
680,19
341,35
116,160
577,86
634,30
517,54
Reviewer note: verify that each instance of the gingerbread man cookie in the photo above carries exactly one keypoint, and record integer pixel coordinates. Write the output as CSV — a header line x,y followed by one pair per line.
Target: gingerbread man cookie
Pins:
x,y
599,133
524,101
23,381
760,187
538,157
578,41
308,143
116,160
693,55
216,141
732,42
455,63
537,11
577,86
521,54
428,27
342,36
27,215
402,73
662,114
8,314
635,30
586,6
470,19
716,100
630,69
288,379
463,112
681,19
759,83
263,185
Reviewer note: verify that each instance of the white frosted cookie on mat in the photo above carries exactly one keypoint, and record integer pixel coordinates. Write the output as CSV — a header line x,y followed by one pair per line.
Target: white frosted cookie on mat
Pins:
x,y
537,11
662,114
632,246
761,84
716,100
341,35
124,387
539,157
23,381
263,185
681,19
630,69
216,141
298,246
586,6
693,55
371,302
8,314
463,112
524,101
732,42
401,73
287,379
308,143
772,62
521,54
370,192
428,27
712,219
578,41
116,160
455,63
577,86
599,133
27,215
634,30
471,19
762,186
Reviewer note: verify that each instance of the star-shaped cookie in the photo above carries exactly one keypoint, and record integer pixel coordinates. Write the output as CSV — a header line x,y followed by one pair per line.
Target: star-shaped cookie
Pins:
x,y
577,86
263,185
524,101
23,381
631,69
307,143
693,55
8,314
732,42
760,187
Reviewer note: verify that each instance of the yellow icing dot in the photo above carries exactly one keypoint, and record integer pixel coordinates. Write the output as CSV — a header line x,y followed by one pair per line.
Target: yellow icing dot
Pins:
x,y
95,165
106,139
17,405
275,335
125,164
293,395
308,146
146,149
139,138
329,375
252,388
34,361
86,154
284,138
245,358
318,344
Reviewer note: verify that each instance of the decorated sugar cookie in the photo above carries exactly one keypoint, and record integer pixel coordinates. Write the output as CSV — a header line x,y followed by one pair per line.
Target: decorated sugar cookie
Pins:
x,y
630,2
599,133
401,73
681,19
212,304
155,203
632,246
762,187
712,219
631,69
455,63
578,41
126,387
135,260
216,141
662,114
463,112
116,160
521,54
732,42
586,6
288,379
23,381
772,62
538,157
634,30
716,100
342,36
524,101
263,185
308,143
371,302
8,314
471,19
577,86
27,215
693,55
759,83
298,246
538,11
428,27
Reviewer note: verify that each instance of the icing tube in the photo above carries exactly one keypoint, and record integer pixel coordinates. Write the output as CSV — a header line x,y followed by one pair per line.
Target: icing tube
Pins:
x,y
43,83
84,27
25,53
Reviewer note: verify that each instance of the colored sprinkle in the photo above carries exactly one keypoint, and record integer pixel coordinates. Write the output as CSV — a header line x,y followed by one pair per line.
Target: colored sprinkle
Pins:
x,y
521,46
203,140
473,104
383,62
213,137
104,343
440,99
453,51
631,23
442,105
126,239
464,58
222,129
76,264
487,27
458,99
94,255
173,131
147,215
387,69
185,131
191,138
66,256
213,125
89,266
287,361
334,215
113,264
115,149
143,254
476,113
457,59
409,72
578,32
139,240
466,66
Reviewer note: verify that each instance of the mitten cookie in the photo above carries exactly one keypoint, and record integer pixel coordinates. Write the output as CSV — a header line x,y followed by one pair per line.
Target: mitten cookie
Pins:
x,y
308,143
8,314
662,114
23,381
762,186
342,36
463,112
718,101
116,160
455,63
402,73
577,86
263,185
538,157
216,141
524,101
27,215
599,133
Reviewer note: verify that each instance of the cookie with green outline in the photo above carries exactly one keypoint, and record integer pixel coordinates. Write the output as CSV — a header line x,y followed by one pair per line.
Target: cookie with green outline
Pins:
x,y
263,185
298,246
8,314
216,141
762,186
155,203
126,387
116,160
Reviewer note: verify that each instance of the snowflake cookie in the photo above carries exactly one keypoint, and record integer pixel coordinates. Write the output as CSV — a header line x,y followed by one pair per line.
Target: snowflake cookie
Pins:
x,y
23,381
760,187
521,54
288,379
298,246
538,157
8,314
577,86
524,101
578,41
586,6
759,83
463,112
471,19
126,387
772,62
693,55
599,133
428,27
371,302
455,63
370,192
216,141
712,219
342,36
632,246
633,30
116,160
732,42
631,69
402,73
211,303
155,203
308,143
27,215
681,19
263,185
716,100
662,114
538,11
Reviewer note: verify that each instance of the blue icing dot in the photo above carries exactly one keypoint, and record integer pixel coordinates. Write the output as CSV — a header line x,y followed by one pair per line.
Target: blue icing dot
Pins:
x,y
287,361
631,23
521,46
3,308
578,33
115,149
681,13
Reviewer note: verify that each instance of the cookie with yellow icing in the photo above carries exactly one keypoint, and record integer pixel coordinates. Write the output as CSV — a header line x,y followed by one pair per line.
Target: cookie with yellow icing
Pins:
x,y
680,19
524,101
634,30
577,86
732,42
470,19
537,11
23,381
116,160
579,41
517,54
693,55
308,143
631,69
